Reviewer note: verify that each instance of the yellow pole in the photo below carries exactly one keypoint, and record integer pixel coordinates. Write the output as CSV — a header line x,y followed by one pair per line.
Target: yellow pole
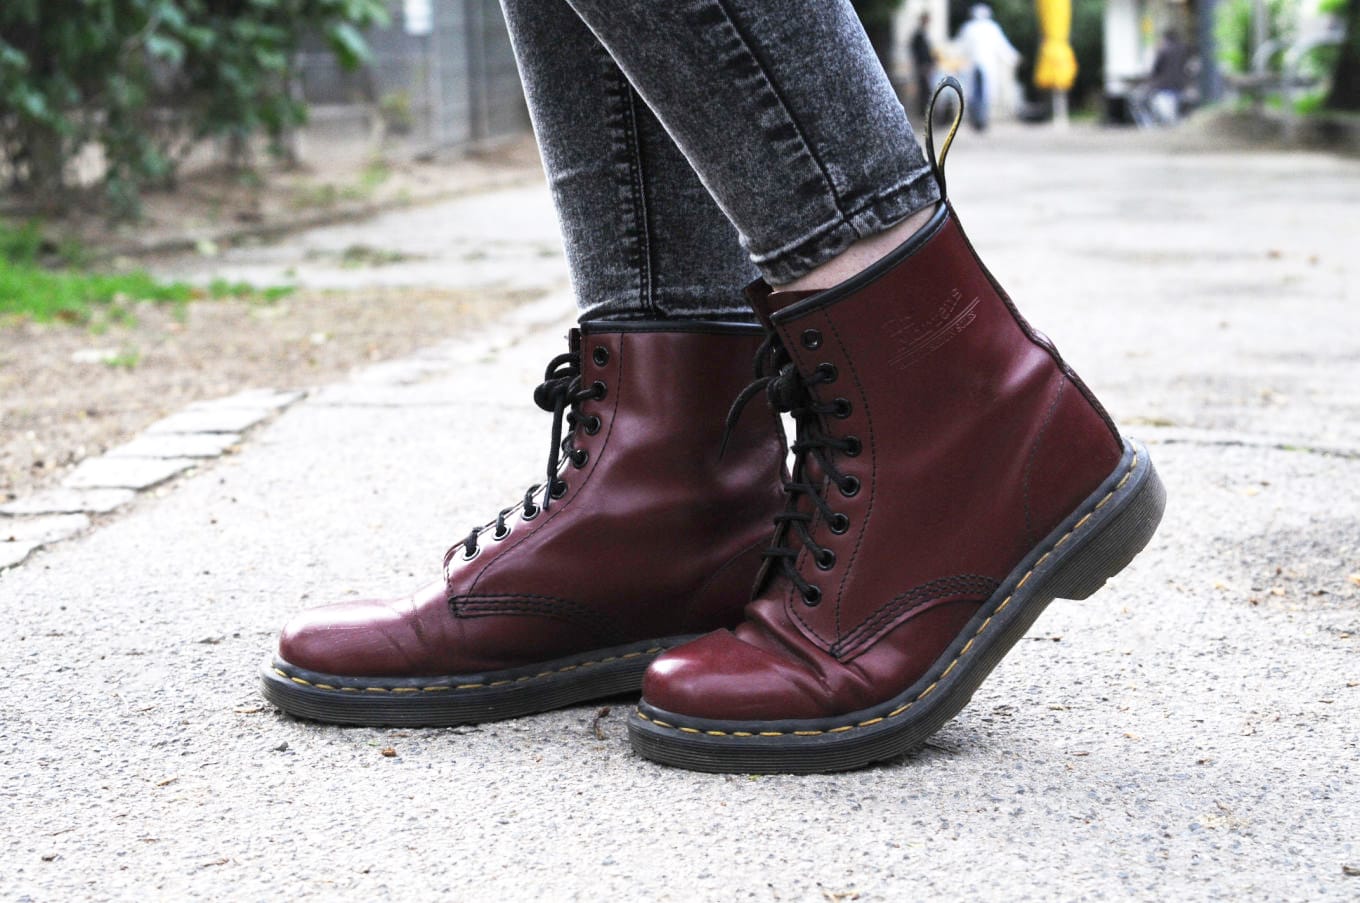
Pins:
x,y
1056,68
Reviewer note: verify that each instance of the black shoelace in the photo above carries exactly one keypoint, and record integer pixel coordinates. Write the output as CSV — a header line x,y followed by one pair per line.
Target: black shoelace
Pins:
x,y
561,394
789,392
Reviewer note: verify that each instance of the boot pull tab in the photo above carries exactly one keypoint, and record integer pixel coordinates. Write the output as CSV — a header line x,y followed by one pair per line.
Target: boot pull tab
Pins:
x,y
951,83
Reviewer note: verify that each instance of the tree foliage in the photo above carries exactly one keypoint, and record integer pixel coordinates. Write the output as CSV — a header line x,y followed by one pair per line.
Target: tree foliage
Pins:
x,y
144,80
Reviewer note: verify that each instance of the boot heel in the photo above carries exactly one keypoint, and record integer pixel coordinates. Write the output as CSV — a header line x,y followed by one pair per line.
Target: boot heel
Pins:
x,y
1134,513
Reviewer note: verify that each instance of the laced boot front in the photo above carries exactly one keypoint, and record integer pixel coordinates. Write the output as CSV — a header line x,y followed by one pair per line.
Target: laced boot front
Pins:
x,y
638,538
952,476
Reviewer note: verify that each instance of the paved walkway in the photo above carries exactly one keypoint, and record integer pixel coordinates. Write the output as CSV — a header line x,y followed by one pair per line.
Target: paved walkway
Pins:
x,y
1189,733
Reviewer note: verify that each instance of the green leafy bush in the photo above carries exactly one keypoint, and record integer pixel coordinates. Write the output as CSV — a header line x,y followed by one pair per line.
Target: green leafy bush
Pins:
x,y
144,80
43,281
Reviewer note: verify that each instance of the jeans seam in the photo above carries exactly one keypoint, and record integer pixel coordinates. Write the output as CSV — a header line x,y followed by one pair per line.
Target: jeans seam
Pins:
x,y
641,209
770,85
621,115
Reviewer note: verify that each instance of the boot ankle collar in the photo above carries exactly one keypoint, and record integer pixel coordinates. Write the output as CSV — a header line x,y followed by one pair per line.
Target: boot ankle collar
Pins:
x,y
785,306
708,327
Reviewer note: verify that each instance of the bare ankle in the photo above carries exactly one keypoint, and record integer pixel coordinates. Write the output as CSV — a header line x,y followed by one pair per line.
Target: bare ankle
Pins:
x,y
860,255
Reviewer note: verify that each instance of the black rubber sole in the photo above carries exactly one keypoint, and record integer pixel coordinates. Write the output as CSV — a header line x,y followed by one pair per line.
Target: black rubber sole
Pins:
x,y
460,699
1092,545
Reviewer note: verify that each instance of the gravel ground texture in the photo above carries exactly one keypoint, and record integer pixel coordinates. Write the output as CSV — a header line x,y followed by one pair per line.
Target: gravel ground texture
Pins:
x,y
1188,733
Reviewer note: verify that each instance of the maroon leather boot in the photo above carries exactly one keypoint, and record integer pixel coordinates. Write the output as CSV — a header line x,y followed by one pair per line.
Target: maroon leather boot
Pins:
x,y
952,476
640,539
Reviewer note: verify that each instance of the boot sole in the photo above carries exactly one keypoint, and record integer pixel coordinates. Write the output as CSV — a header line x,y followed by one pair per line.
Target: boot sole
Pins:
x,y
1093,544
451,700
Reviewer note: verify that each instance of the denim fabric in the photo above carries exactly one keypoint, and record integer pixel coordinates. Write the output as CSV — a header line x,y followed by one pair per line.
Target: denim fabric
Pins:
x,y
643,237
779,106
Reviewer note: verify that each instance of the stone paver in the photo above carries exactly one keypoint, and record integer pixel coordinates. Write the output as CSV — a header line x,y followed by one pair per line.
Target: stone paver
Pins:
x,y
125,473
175,445
210,420
272,399
69,501
13,554
48,528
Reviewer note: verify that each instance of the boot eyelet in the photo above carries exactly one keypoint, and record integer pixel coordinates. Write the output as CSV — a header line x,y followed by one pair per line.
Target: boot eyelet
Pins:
x,y
592,425
475,552
826,559
838,524
853,446
579,457
559,489
812,596
529,513
500,533
812,338
600,355
842,408
600,389
849,486
828,371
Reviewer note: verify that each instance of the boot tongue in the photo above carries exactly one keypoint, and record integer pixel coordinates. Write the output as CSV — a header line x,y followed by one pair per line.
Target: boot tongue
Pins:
x,y
767,302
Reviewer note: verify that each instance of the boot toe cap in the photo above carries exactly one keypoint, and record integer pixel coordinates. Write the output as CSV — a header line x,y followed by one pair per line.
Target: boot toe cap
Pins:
x,y
720,677
362,638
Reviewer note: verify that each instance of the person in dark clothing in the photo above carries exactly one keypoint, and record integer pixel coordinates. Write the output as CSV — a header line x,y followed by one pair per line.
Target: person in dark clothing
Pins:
x,y
1170,77
922,62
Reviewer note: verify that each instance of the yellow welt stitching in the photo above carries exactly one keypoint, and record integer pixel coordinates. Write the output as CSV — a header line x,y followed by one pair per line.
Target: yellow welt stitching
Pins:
x,y
716,733
1133,465
500,683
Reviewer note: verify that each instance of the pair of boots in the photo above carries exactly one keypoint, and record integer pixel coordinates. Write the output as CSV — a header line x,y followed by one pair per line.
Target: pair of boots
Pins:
x,y
951,477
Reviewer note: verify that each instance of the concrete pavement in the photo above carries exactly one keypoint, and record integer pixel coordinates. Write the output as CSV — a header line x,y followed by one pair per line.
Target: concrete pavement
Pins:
x,y
1189,733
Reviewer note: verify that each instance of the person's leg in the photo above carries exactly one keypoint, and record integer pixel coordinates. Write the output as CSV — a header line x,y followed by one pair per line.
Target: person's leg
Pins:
x,y
952,475
783,109
644,240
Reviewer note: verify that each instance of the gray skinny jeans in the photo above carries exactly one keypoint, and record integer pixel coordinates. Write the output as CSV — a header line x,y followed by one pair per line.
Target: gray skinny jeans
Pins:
x,y
692,145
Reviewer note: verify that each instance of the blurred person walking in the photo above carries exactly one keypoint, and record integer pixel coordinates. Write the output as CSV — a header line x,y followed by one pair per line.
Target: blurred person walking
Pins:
x,y
992,60
735,181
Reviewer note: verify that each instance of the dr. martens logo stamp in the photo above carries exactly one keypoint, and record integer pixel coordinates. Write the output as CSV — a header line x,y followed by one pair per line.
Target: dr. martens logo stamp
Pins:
x,y
916,337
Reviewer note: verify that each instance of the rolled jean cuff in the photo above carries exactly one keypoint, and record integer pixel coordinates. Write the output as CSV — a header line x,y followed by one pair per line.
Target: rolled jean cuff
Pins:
x,y
883,211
